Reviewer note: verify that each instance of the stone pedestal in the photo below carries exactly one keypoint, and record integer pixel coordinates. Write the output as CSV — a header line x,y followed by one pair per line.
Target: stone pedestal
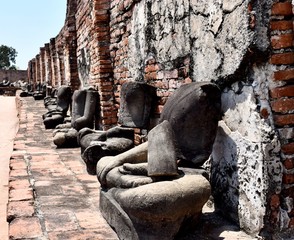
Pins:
x,y
156,211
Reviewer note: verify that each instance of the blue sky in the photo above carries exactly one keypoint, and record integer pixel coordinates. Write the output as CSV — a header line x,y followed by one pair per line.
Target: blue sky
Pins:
x,y
27,25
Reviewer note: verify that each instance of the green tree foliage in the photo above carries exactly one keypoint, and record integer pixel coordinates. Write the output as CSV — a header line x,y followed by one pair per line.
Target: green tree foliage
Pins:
x,y
7,57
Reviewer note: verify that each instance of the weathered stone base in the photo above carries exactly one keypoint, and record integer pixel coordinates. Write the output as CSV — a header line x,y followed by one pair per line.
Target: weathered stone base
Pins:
x,y
116,217
156,216
127,229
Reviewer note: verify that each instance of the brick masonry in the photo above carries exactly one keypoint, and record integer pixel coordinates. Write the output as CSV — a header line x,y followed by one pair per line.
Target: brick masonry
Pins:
x,y
13,75
282,98
94,48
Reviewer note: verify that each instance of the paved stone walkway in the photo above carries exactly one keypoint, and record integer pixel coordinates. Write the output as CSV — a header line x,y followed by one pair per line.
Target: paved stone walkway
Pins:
x,y
50,194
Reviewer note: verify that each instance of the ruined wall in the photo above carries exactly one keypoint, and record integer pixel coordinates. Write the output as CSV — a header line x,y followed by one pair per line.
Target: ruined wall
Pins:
x,y
47,60
38,69
13,75
282,103
42,65
31,71
169,43
244,46
53,62
93,54
253,177
232,43
84,36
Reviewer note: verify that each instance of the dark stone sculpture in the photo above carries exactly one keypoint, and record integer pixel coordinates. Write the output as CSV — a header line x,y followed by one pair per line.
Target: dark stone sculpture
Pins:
x,y
162,161
40,91
85,108
26,90
97,144
85,112
150,202
58,112
135,109
5,83
137,100
193,112
50,101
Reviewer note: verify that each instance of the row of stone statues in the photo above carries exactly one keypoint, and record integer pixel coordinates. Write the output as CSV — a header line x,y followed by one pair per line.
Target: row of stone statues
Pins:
x,y
156,189
57,107
38,90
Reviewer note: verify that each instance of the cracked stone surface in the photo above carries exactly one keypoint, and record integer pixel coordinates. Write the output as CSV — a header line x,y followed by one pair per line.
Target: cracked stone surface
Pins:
x,y
214,33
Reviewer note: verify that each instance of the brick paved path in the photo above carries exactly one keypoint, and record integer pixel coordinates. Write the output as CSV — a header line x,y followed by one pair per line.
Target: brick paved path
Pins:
x,y
51,196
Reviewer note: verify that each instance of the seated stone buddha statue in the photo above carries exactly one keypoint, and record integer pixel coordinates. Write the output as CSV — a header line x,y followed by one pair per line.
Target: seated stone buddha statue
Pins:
x,y
157,189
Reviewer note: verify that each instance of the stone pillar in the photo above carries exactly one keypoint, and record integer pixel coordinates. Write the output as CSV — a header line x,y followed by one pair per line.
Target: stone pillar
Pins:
x,y
103,71
42,64
61,58
31,71
37,71
93,54
60,65
48,70
53,56
71,46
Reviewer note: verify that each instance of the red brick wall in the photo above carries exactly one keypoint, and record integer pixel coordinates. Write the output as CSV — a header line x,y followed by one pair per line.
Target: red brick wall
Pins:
x,y
53,58
71,67
38,70
165,81
31,71
94,42
95,69
103,71
48,71
83,28
282,100
119,33
42,65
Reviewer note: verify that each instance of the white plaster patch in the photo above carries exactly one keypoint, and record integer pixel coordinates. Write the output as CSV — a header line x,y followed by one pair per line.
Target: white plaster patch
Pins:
x,y
230,5
171,29
240,114
244,144
284,219
137,42
262,76
216,41
199,6
237,166
206,58
234,41
215,17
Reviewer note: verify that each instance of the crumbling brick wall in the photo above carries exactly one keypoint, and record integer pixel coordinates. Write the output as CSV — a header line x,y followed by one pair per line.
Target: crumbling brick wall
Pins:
x,y
53,58
93,54
47,60
246,47
57,62
13,75
282,105
42,65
